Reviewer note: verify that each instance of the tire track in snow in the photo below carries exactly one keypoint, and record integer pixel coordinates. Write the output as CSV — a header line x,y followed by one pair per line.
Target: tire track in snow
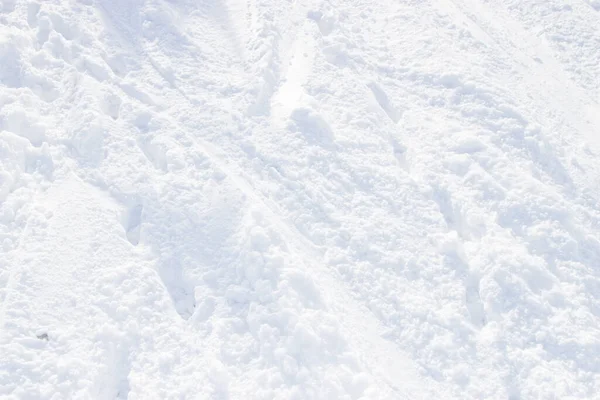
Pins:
x,y
397,370
146,55
360,326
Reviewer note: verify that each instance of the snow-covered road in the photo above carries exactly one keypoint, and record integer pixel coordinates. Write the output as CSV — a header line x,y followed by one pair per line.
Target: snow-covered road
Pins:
x,y
319,199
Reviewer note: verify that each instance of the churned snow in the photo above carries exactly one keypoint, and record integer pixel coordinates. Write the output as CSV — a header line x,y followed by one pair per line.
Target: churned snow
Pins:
x,y
320,199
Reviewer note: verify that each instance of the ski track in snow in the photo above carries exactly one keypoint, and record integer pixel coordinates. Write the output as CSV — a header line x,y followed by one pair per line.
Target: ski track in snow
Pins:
x,y
299,200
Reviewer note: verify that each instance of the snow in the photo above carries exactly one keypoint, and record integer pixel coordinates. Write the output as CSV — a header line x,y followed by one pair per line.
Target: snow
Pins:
x,y
280,199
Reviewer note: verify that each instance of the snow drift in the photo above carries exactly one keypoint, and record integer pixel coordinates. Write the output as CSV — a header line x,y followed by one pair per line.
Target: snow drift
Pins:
x,y
282,199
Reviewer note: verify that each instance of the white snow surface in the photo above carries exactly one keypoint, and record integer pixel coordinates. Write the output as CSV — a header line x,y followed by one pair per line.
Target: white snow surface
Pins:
x,y
285,199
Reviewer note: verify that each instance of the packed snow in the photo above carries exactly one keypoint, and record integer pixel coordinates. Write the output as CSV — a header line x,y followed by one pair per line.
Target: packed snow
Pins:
x,y
285,199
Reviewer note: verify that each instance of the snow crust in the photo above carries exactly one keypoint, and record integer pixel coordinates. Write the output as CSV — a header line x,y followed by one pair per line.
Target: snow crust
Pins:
x,y
319,199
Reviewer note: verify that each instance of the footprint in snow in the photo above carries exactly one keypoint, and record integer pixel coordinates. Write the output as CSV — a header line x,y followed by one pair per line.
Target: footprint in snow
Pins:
x,y
326,24
313,126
